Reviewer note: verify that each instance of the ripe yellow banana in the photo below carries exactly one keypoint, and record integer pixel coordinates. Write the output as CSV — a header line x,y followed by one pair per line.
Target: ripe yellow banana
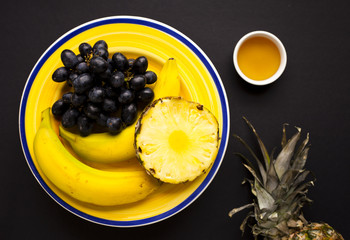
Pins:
x,y
102,147
168,84
82,182
107,148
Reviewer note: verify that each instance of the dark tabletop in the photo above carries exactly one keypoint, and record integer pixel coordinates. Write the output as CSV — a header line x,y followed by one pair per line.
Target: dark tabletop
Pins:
x,y
313,93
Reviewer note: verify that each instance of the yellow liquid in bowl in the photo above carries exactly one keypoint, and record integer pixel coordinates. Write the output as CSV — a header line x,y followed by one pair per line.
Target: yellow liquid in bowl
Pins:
x,y
258,58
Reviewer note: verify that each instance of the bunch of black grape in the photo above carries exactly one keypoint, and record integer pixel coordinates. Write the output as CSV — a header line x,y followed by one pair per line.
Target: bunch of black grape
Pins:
x,y
106,92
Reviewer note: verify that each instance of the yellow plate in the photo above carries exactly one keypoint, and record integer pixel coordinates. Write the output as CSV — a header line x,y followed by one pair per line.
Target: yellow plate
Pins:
x,y
133,36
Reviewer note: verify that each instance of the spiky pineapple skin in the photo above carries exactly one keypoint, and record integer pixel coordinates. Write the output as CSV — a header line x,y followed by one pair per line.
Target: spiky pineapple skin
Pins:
x,y
316,231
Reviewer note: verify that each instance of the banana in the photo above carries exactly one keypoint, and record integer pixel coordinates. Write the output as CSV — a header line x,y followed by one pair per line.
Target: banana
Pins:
x,y
82,182
102,147
168,84
107,148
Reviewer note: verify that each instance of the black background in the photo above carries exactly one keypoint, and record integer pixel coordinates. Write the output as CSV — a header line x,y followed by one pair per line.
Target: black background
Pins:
x,y
313,93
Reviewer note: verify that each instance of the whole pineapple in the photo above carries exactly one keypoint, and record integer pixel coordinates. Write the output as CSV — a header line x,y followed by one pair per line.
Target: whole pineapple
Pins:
x,y
280,188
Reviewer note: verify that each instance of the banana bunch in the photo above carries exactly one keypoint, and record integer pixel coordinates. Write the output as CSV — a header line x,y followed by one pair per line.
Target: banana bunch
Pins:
x,y
82,182
107,148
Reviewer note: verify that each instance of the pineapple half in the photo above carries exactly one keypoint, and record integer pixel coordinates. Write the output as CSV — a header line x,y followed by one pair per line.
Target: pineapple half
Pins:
x,y
176,140
280,188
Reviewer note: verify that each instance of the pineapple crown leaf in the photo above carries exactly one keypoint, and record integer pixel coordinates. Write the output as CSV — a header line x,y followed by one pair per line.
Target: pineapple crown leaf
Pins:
x,y
283,227
260,166
295,223
284,157
261,144
303,145
272,181
273,153
251,185
253,172
249,163
245,221
301,155
265,200
299,191
284,135
299,180
236,210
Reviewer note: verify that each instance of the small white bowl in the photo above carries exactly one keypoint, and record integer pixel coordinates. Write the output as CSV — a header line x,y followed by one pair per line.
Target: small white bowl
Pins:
x,y
280,47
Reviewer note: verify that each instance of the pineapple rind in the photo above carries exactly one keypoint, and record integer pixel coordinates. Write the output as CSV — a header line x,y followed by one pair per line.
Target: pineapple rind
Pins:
x,y
316,231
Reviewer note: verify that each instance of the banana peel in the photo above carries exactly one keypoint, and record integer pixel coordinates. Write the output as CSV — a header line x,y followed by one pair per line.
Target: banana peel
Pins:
x,y
85,183
107,148
102,147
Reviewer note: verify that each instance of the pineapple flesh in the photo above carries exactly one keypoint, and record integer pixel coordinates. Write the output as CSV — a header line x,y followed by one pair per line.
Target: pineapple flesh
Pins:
x,y
280,187
176,140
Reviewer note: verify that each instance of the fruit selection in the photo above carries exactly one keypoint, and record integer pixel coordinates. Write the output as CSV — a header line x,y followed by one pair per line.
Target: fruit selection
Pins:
x,y
106,92
110,93
280,188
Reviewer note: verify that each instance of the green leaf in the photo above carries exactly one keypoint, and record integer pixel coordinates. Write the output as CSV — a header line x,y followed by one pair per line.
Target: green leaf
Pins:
x,y
299,184
289,177
283,159
302,145
236,210
261,168
300,159
245,159
261,144
244,223
284,135
272,179
251,185
282,226
272,153
300,177
301,190
265,200
297,181
253,173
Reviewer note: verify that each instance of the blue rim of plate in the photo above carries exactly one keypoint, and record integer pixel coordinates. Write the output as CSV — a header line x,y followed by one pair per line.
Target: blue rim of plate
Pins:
x,y
180,37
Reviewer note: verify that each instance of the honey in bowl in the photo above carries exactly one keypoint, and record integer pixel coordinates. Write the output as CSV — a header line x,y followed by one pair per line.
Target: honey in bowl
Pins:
x,y
258,58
